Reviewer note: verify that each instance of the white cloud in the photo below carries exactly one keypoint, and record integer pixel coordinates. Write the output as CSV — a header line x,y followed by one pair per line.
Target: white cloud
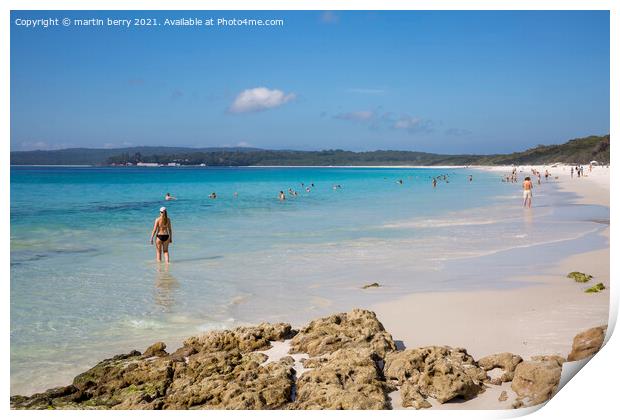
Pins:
x,y
259,99
407,123
244,144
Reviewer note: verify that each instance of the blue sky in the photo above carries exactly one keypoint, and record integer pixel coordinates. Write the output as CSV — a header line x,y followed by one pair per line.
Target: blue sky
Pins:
x,y
449,82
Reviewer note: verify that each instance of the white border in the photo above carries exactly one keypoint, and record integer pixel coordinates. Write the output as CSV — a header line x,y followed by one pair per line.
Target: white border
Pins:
x,y
590,395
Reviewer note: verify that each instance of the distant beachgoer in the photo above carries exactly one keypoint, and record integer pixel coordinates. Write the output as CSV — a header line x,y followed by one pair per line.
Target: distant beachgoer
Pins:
x,y
471,178
213,196
169,197
282,196
307,189
400,181
572,170
538,173
162,231
434,183
527,192
546,174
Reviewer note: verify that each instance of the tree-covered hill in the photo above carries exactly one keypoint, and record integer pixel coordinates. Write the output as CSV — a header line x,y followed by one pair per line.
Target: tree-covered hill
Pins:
x,y
581,150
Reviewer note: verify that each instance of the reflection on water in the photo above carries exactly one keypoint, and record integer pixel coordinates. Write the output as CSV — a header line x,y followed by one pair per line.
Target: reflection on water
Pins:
x,y
528,218
165,287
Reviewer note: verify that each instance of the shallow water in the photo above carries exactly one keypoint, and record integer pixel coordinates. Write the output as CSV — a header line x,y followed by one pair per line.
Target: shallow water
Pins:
x,y
84,284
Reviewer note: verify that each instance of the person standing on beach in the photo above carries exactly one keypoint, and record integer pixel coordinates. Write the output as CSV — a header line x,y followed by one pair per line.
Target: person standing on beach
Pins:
x,y
162,229
527,192
572,170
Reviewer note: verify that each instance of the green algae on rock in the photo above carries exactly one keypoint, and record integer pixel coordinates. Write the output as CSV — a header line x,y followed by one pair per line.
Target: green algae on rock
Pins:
x,y
596,288
579,277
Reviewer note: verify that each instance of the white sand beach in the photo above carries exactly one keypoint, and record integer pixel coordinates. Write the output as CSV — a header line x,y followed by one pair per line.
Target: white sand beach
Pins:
x,y
540,319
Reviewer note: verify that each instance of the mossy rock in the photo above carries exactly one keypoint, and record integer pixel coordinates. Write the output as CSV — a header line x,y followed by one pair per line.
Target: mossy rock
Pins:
x,y
579,277
596,288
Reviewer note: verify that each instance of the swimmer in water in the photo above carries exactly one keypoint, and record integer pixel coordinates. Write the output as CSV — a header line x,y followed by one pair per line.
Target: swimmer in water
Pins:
x,y
169,197
282,196
162,229
434,183
213,196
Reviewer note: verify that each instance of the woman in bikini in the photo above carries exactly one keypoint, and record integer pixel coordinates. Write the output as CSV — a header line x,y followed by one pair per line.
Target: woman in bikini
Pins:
x,y
163,230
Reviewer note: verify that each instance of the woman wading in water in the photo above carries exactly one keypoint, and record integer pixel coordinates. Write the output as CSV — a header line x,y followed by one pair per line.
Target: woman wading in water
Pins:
x,y
163,230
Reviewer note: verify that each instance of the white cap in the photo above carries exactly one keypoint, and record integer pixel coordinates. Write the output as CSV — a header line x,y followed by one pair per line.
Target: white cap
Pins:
x,y
162,209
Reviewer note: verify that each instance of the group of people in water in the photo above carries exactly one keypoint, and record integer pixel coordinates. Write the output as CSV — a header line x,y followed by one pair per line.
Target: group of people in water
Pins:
x,y
161,235
579,170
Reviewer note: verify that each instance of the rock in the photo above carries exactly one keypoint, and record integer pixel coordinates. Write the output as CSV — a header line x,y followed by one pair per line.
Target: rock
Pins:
x,y
158,349
503,396
230,380
579,277
217,370
411,396
287,360
368,286
505,361
587,343
442,373
596,288
356,329
348,379
244,339
536,380
553,357
495,381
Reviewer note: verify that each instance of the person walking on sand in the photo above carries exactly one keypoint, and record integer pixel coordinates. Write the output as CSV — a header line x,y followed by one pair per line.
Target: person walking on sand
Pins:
x,y
162,231
572,171
527,192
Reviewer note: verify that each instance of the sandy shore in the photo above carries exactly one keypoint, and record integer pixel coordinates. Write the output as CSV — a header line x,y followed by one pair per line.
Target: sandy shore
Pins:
x,y
539,319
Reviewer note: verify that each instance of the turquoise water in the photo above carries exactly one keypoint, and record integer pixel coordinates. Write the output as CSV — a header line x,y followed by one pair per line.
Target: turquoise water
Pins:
x,y
84,284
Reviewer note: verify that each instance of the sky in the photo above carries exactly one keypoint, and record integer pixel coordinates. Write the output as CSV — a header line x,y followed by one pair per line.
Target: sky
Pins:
x,y
433,81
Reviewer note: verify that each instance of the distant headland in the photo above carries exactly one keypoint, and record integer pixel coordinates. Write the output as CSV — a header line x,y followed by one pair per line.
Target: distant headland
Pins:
x,y
581,150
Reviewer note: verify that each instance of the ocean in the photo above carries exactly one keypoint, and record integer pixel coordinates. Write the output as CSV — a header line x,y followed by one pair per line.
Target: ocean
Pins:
x,y
85,285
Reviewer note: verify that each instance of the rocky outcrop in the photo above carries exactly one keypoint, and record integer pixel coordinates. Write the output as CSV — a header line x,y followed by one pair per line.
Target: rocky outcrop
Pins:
x,y
347,379
442,373
356,329
230,380
536,380
587,343
216,370
507,362
352,364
